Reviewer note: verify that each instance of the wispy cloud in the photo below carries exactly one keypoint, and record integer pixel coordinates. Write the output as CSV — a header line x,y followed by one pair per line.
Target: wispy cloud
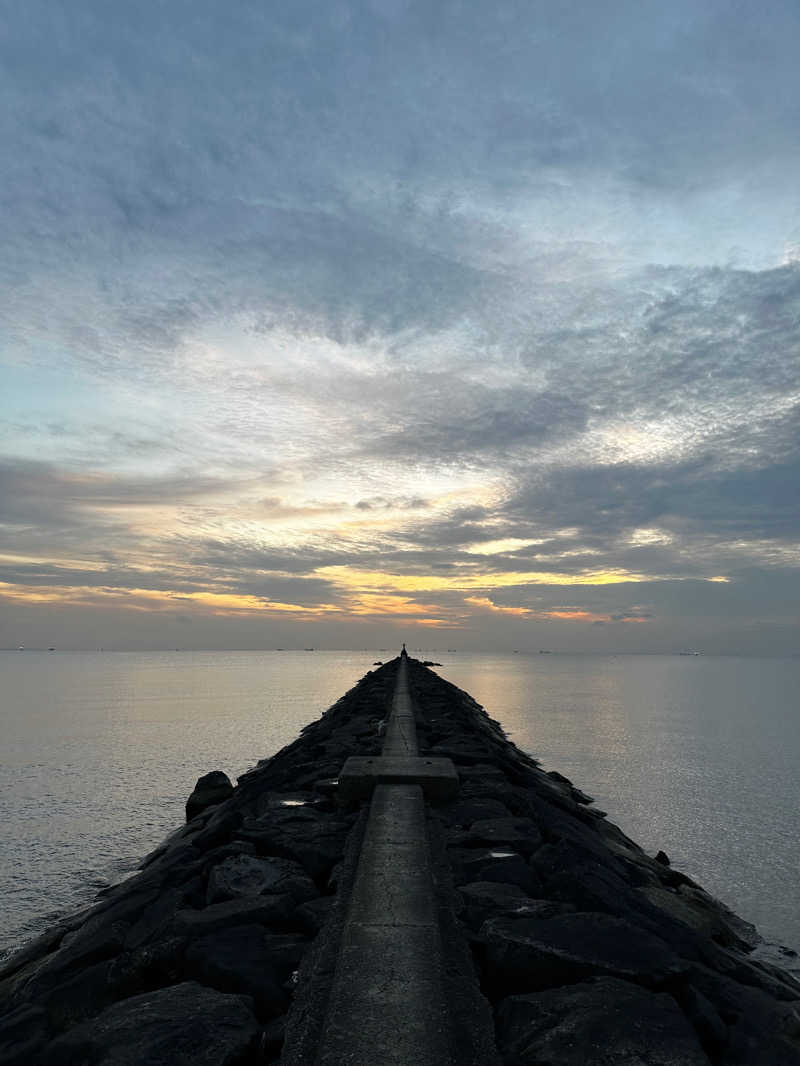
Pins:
x,y
508,343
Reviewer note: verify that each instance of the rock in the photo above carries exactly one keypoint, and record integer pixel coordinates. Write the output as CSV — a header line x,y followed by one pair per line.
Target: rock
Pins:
x,y
464,749
509,870
313,915
487,899
734,931
36,949
95,942
528,954
243,910
316,843
184,1025
23,1035
210,789
520,834
217,830
147,967
84,993
244,875
156,918
710,1028
701,913
663,858
493,864
242,960
601,1020
466,812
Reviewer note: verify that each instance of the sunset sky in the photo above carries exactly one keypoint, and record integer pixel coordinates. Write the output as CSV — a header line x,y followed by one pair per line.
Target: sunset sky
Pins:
x,y
338,324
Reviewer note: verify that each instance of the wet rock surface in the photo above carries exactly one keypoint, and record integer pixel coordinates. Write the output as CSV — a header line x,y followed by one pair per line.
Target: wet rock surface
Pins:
x,y
580,947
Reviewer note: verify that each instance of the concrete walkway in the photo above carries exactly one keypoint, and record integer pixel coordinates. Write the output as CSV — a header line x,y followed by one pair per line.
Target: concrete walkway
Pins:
x,y
387,1007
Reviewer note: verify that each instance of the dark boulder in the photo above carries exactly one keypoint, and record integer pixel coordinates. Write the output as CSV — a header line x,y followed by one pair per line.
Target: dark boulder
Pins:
x,y
601,1020
244,959
528,954
184,1025
23,1035
466,812
313,915
210,789
270,910
520,834
245,875
488,899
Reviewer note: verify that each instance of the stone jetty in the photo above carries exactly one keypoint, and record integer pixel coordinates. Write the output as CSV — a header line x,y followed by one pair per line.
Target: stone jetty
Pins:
x,y
401,886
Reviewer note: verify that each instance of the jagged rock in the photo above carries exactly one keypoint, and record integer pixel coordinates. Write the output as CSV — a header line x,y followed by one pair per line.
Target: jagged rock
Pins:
x,y
81,995
184,1025
147,967
598,1021
156,918
244,875
466,812
274,911
210,789
243,959
710,1028
487,899
315,842
23,1035
701,913
521,834
493,864
528,954
313,915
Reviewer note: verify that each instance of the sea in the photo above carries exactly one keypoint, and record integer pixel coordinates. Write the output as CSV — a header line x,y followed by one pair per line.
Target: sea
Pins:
x,y
698,756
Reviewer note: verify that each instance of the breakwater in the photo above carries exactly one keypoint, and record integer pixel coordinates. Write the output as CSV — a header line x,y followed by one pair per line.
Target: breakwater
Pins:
x,y
541,934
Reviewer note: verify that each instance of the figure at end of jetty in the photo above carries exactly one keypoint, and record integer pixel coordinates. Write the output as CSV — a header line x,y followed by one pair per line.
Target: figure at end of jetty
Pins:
x,y
403,652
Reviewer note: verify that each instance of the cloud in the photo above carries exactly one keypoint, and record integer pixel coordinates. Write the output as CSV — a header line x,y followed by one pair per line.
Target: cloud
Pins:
x,y
520,321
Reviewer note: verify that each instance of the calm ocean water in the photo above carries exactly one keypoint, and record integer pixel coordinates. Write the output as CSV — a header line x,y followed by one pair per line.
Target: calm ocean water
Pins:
x,y
695,755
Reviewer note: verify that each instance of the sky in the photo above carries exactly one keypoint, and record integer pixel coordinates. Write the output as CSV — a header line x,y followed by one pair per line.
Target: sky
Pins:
x,y
340,324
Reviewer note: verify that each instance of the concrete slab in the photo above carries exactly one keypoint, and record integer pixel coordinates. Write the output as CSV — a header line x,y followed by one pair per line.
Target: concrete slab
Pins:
x,y
360,773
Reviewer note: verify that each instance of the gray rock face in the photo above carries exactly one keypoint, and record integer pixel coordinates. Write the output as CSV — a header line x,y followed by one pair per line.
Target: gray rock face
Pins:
x,y
316,842
519,833
467,812
243,910
211,788
244,875
243,959
488,899
531,954
599,1021
499,864
184,1025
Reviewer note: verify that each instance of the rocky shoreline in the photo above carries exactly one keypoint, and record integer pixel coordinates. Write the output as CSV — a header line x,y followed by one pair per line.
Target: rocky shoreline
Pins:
x,y
565,942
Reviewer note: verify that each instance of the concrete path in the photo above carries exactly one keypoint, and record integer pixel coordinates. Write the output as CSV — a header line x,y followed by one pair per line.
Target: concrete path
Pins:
x,y
401,730
387,1007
